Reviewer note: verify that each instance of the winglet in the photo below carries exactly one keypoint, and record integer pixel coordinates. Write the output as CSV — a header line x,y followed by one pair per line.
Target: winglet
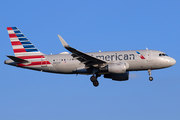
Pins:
x,y
63,41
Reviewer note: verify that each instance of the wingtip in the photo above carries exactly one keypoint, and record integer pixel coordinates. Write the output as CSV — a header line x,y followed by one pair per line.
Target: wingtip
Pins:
x,y
63,41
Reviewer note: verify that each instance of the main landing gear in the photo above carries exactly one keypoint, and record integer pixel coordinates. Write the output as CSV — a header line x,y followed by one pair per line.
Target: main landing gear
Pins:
x,y
150,78
94,80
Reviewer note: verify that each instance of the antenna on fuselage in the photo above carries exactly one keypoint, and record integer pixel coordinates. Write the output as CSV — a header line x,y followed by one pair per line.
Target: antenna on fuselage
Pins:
x,y
146,48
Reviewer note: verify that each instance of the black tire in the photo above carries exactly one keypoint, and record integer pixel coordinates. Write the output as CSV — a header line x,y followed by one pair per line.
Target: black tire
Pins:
x,y
96,83
93,78
151,78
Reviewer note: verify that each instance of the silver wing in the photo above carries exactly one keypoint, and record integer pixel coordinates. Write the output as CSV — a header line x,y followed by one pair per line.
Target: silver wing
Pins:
x,y
82,57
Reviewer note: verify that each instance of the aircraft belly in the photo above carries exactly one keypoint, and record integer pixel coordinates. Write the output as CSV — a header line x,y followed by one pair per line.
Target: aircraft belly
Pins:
x,y
65,68
141,65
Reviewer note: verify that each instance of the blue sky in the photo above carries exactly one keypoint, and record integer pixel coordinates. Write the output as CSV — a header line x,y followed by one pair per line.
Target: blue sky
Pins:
x,y
90,26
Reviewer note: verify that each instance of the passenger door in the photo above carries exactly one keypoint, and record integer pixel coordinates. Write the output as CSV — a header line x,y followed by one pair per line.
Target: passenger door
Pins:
x,y
149,56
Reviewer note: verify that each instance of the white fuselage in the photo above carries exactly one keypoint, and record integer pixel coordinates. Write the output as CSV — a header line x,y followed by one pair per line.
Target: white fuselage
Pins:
x,y
114,65
66,64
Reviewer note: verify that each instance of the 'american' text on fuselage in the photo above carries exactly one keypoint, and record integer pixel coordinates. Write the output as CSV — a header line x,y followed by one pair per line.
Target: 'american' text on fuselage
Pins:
x,y
116,57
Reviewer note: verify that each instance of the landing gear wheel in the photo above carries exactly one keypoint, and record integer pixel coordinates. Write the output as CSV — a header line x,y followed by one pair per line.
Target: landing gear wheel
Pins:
x,y
151,78
93,78
96,83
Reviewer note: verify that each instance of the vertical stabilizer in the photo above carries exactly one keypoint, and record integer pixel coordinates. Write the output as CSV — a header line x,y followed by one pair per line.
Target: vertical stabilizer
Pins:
x,y
26,54
20,43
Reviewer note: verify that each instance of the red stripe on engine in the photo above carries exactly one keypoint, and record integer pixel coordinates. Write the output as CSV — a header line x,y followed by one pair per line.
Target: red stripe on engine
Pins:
x,y
19,50
35,63
31,57
12,35
16,43
9,28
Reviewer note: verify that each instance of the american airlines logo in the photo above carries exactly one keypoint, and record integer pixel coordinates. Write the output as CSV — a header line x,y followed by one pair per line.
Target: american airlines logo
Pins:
x,y
140,55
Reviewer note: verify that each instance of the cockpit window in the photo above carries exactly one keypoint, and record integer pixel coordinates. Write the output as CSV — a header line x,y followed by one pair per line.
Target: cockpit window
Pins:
x,y
163,54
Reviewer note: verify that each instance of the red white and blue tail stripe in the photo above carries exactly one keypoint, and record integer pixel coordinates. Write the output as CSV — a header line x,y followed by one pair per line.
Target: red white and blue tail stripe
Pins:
x,y
24,49
140,55
20,43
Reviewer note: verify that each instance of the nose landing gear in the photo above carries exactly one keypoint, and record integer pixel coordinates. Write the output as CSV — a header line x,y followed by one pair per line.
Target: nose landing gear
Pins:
x,y
150,78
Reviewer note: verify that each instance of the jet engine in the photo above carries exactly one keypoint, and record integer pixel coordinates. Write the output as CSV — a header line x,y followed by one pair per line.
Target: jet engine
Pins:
x,y
115,68
118,77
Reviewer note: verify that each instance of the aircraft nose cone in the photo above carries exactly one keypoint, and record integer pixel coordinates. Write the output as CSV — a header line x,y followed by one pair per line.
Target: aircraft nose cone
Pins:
x,y
173,61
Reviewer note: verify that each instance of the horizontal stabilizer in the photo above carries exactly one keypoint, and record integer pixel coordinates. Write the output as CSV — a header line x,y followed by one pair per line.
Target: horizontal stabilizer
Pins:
x,y
18,60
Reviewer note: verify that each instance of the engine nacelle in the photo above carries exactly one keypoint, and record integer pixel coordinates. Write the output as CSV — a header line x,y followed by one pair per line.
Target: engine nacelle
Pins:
x,y
118,77
116,68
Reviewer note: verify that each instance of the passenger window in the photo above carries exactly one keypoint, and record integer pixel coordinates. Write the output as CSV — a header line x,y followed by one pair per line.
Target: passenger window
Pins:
x,y
53,60
61,59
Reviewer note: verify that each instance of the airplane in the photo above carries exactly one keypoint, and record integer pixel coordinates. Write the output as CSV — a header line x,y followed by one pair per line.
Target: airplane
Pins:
x,y
114,65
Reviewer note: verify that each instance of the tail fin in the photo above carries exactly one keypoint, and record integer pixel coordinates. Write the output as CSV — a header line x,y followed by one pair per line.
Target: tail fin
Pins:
x,y
21,45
